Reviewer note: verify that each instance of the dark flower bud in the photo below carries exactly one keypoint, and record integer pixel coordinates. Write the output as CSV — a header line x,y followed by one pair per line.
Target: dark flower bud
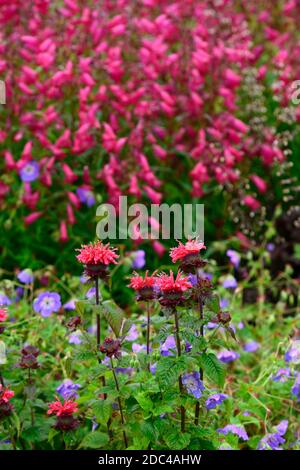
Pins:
x,y
66,423
30,350
191,262
111,347
5,409
28,362
74,322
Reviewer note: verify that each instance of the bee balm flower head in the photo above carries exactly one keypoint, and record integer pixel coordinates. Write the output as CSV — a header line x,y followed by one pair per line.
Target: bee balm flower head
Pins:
x,y
3,314
171,288
64,412
188,255
5,406
144,286
96,257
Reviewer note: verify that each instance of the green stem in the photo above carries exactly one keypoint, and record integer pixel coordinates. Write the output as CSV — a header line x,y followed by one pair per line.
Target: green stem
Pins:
x,y
200,304
119,402
180,384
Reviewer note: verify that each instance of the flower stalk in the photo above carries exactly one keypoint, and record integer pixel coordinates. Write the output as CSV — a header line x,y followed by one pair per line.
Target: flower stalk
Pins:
x,y
200,305
119,402
181,388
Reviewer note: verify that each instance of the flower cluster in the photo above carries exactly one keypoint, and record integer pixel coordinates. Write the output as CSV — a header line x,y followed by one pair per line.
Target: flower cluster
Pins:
x,y
151,69
111,347
96,257
47,303
188,255
144,286
29,357
64,413
5,406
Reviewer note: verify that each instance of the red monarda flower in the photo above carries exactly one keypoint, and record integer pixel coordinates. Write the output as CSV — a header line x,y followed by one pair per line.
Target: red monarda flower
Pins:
x,y
5,394
5,406
188,255
138,282
144,286
178,253
62,409
171,289
167,282
97,253
3,314
97,257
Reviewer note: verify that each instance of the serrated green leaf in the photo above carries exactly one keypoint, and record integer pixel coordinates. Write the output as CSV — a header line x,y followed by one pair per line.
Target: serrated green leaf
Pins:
x,y
177,441
94,440
102,409
115,317
144,401
214,369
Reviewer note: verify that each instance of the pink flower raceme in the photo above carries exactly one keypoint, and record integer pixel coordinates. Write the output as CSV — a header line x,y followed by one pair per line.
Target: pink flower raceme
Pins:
x,y
97,257
171,289
188,255
144,286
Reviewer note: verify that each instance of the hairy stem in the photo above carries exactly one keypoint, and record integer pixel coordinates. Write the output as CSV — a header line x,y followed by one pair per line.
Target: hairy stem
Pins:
x,y
119,402
181,388
148,331
102,378
200,305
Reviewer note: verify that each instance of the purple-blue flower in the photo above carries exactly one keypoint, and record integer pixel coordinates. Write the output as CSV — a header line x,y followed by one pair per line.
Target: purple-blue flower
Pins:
x,y
224,303
193,384
76,337
234,257
139,259
227,356
282,375
238,430
70,305
296,388
91,293
25,276
230,282
86,196
29,172
47,303
251,346
4,300
136,348
273,441
132,334
214,400
168,345
293,354
68,389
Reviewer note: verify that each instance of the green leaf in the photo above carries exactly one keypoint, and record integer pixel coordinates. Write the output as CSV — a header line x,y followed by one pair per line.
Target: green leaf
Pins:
x,y
177,441
94,440
149,431
213,303
214,369
102,410
144,401
115,317
166,371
